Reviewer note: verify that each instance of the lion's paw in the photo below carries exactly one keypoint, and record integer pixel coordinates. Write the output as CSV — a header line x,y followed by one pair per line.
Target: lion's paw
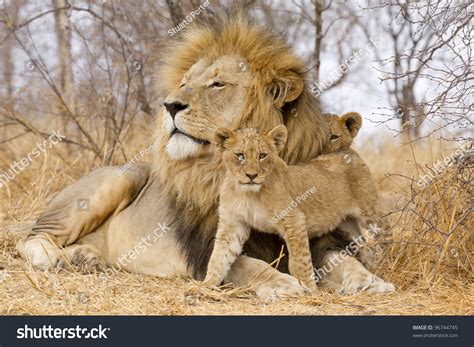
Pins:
x,y
380,286
40,252
279,287
82,256
364,281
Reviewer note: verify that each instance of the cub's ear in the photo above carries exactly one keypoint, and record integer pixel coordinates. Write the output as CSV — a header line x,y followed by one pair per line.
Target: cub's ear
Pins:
x,y
279,136
352,121
221,136
286,87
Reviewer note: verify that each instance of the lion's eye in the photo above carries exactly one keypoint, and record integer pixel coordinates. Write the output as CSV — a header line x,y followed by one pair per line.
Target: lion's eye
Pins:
x,y
218,85
333,138
262,156
240,156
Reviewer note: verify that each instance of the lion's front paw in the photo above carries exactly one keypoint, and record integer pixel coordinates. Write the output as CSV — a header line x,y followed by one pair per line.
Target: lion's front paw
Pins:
x,y
41,253
279,287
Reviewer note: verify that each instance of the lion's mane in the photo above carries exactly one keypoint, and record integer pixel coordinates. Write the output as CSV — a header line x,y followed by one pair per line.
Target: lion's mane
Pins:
x,y
193,184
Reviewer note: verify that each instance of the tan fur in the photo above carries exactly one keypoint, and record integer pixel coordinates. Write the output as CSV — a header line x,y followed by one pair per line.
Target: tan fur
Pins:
x,y
262,74
265,86
297,201
343,129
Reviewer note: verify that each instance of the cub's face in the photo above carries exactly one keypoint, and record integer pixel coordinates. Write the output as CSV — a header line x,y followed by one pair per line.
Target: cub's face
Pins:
x,y
250,156
343,130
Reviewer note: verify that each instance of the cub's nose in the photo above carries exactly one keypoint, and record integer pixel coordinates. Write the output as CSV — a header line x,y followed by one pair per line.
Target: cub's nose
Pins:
x,y
251,176
175,107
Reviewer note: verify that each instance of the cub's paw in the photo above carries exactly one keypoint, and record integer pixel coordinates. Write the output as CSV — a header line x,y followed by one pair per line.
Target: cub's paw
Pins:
x,y
279,286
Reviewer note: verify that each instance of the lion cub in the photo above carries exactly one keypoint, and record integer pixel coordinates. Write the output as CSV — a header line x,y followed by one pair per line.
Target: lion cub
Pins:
x,y
261,191
343,129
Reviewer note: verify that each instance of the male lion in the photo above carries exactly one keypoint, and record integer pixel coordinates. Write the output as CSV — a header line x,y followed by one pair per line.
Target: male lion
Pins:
x,y
228,74
297,202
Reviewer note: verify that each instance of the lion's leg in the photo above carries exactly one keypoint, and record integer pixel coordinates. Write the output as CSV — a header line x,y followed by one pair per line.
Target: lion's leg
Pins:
x,y
297,242
228,246
347,275
78,210
353,232
268,283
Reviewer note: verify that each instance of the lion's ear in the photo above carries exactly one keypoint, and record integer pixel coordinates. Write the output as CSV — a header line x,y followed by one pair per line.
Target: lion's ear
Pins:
x,y
286,87
221,136
279,136
352,121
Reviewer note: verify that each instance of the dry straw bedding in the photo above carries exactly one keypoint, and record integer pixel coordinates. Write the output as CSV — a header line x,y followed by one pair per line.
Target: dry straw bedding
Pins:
x,y
429,256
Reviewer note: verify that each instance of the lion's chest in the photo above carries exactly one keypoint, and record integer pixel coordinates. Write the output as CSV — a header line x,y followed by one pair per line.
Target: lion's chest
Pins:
x,y
255,214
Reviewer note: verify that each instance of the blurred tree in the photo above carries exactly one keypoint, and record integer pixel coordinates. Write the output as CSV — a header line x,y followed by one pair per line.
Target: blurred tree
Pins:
x,y
62,13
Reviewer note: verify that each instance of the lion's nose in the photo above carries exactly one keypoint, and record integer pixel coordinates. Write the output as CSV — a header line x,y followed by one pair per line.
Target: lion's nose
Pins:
x,y
175,107
251,176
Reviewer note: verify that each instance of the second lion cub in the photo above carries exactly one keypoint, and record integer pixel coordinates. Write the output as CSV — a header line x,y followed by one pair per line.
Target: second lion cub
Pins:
x,y
261,191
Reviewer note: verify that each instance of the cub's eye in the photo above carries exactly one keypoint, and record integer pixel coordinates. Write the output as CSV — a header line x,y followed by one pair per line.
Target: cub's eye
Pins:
x,y
262,156
240,156
333,137
218,85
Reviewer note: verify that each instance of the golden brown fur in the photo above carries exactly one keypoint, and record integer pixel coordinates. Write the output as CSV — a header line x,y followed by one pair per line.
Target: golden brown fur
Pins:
x,y
264,85
275,85
343,129
296,201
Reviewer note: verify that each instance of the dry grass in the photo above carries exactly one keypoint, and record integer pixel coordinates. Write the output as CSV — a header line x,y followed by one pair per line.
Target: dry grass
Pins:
x,y
429,255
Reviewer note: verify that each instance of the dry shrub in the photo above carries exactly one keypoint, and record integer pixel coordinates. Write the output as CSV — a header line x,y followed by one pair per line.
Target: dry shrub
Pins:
x,y
432,241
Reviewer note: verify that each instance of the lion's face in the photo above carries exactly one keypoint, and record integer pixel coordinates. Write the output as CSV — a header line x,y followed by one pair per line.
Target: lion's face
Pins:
x,y
211,95
343,130
249,156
